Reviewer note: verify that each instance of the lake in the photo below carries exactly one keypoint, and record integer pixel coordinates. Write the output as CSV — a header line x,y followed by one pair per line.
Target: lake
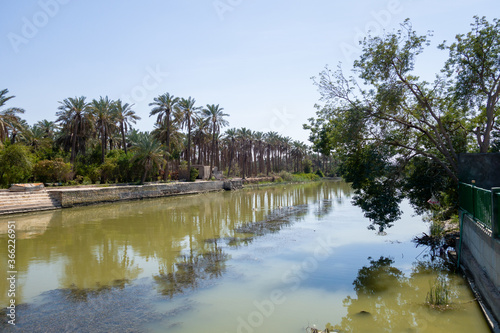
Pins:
x,y
271,259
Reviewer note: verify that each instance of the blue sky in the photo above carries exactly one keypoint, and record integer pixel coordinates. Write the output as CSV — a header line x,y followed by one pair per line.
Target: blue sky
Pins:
x,y
253,57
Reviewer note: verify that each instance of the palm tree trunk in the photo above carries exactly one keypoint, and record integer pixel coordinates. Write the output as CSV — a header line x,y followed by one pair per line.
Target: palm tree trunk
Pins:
x,y
73,145
123,138
213,151
189,149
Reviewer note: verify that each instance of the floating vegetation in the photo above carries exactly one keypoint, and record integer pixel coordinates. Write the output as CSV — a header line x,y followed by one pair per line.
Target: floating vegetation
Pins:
x,y
439,296
74,293
328,329
111,309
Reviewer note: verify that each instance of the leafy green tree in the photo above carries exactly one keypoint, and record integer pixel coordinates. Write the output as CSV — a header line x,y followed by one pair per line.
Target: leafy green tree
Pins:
x,y
474,69
380,127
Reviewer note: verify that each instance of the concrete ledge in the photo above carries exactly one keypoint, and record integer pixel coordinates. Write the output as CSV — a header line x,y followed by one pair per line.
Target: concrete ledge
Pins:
x,y
489,294
87,196
481,259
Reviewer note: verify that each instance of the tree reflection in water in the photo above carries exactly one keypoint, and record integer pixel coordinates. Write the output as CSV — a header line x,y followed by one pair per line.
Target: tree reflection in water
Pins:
x,y
388,301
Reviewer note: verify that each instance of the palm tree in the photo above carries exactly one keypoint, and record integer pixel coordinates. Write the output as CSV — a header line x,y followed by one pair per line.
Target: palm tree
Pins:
x,y
124,116
164,106
245,138
200,137
48,127
213,114
8,117
185,111
148,152
74,113
230,138
105,117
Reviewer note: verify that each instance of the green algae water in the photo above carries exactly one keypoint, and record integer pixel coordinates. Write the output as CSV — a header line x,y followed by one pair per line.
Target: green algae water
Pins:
x,y
274,259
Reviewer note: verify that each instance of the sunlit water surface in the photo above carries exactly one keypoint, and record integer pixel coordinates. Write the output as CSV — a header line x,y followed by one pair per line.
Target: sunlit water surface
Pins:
x,y
275,259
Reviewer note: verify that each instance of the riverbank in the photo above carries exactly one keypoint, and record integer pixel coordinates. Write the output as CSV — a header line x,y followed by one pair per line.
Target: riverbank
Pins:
x,y
66,197
56,198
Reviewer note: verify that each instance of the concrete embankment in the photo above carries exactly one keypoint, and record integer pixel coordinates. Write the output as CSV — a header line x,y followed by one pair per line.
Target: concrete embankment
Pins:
x,y
480,258
12,202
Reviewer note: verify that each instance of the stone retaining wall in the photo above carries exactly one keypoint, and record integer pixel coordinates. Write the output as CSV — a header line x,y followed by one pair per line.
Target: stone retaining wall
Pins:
x,y
88,196
481,257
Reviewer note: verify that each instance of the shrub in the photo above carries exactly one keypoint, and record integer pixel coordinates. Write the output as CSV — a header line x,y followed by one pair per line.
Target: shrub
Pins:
x,y
55,171
320,173
15,164
304,177
286,176
108,170
307,165
193,174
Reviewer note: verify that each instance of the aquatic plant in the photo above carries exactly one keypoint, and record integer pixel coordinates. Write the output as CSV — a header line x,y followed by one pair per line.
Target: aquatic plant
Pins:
x,y
439,294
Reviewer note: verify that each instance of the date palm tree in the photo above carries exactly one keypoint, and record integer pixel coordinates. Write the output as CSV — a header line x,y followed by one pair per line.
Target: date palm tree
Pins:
x,y
148,152
230,139
9,117
185,112
102,110
124,116
48,127
163,107
74,113
215,116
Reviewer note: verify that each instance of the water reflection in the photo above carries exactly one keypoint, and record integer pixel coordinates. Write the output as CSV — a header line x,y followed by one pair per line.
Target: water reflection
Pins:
x,y
389,301
175,240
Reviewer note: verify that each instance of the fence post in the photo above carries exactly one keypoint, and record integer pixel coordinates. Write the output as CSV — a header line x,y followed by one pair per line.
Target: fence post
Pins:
x,y
473,199
495,214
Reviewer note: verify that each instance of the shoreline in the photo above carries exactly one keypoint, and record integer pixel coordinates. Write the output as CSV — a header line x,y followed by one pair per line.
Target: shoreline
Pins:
x,y
66,197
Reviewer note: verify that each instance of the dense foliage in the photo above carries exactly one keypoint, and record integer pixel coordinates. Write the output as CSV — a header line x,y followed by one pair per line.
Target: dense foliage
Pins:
x,y
94,142
397,135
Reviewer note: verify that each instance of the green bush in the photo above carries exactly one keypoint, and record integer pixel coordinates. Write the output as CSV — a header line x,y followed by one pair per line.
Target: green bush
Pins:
x,y
307,163
193,174
304,177
16,164
286,176
55,171
108,170
320,173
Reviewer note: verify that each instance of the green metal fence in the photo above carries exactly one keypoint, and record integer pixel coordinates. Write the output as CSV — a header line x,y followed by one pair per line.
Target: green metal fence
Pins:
x,y
483,205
